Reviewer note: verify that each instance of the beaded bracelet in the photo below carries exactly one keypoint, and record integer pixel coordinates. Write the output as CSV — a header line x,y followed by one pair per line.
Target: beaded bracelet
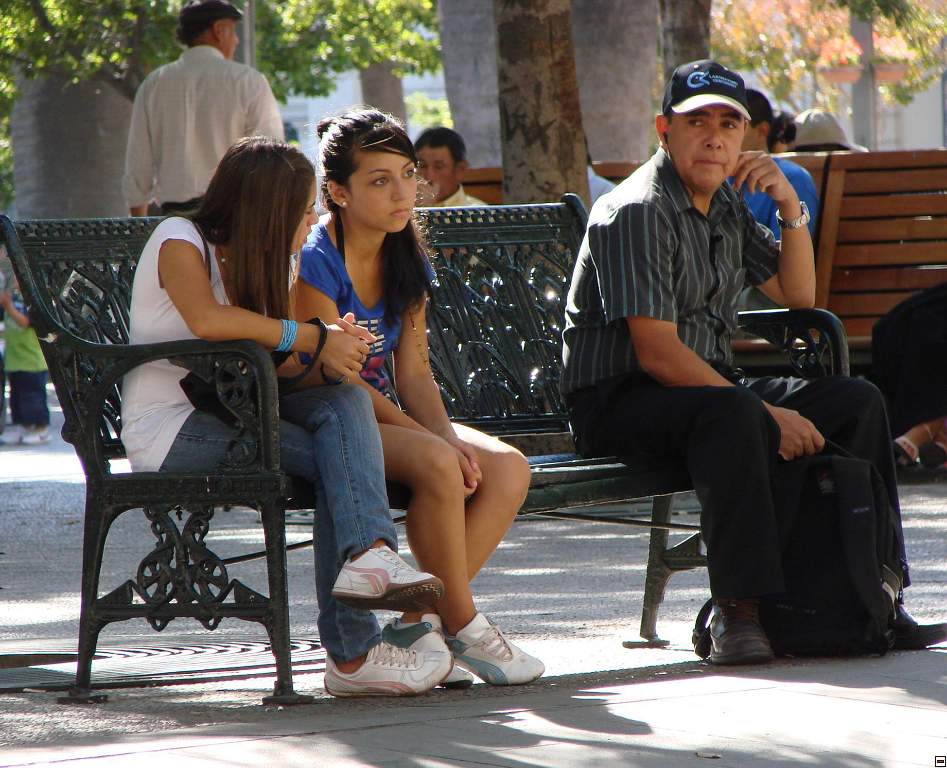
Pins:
x,y
290,329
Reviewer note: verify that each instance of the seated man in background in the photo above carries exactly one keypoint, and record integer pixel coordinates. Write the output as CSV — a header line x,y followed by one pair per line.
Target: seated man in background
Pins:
x,y
648,370
756,139
443,157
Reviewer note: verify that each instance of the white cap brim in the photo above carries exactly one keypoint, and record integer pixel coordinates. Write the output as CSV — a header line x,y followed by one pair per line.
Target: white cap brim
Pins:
x,y
709,100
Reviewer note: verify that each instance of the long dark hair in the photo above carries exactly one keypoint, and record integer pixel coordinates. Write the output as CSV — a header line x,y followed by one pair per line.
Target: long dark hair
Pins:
x,y
255,201
405,281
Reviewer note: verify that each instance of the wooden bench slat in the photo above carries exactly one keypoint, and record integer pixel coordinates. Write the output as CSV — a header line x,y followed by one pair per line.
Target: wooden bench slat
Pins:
x,y
877,206
890,160
847,305
894,229
886,254
858,327
904,279
903,180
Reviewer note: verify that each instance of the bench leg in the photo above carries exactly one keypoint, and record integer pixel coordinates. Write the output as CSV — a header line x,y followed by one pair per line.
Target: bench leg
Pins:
x,y
278,625
657,575
94,533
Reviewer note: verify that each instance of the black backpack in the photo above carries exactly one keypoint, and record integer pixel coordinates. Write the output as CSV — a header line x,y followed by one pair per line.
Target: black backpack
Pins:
x,y
841,561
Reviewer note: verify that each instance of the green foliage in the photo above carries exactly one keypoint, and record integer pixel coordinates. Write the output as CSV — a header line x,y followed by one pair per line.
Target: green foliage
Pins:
x,y
6,153
425,112
301,44
785,42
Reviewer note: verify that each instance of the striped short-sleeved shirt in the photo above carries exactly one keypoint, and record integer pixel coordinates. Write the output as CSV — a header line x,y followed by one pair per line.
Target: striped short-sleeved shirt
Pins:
x,y
648,252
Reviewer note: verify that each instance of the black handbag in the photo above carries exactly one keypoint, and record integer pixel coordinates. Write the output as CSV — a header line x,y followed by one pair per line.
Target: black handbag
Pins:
x,y
202,393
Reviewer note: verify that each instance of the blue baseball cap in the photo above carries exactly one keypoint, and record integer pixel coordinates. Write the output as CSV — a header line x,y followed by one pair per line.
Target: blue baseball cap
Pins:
x,y
702,84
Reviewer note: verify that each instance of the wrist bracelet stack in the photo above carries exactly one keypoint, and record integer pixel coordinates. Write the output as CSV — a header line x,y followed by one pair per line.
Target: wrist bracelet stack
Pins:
x,y
290,329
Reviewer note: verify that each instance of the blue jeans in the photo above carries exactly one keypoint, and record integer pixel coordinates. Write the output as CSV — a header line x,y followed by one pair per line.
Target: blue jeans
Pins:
x,y
329,437
28,398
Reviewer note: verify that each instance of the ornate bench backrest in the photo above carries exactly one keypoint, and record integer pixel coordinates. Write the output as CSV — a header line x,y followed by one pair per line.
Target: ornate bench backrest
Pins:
x,y
76,276
496,319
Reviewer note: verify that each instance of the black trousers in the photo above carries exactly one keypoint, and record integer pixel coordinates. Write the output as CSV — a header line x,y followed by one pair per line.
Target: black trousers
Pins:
x,y
729,444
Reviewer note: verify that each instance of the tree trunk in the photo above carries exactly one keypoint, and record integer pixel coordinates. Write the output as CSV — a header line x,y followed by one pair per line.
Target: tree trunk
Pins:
x,y
616,59
68,149
468,51
685,32
382,89
540,116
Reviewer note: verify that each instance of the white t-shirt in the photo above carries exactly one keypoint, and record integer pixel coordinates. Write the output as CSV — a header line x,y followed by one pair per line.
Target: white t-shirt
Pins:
x,y
154,407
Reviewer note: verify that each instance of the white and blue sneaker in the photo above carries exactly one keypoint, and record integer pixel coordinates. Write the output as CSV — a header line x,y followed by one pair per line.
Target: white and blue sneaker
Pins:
x,y
483,649
425,635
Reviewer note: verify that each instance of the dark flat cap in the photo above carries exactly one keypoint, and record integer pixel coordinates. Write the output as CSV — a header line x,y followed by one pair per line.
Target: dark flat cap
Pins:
x,y
205,12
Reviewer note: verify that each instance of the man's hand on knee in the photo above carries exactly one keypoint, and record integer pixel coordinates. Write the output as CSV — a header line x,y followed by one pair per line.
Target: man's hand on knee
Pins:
x,y
797,435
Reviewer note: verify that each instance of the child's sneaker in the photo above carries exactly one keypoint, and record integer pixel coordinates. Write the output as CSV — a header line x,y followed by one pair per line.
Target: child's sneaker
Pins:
x,y
389,671
379,578
484,650
34,435
426,635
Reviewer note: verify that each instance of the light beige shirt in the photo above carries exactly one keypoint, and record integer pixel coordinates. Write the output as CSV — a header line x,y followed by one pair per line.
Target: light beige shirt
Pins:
x,y
459,198
186,115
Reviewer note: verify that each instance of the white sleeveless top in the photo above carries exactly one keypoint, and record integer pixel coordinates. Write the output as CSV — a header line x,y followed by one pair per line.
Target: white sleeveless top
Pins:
x,y
154,407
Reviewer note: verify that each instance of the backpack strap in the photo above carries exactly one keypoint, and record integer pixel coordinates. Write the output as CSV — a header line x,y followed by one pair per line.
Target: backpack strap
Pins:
x,y
701,634
860,522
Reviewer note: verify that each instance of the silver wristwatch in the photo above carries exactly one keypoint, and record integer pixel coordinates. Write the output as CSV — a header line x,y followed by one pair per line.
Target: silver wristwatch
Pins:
x,y
800,221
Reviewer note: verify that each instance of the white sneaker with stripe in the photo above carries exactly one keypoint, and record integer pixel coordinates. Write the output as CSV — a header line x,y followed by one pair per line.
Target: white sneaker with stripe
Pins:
x,y
389,671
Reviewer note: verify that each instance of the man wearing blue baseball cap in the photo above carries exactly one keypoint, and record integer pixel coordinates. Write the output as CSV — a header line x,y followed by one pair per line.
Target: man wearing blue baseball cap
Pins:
x,y
648,369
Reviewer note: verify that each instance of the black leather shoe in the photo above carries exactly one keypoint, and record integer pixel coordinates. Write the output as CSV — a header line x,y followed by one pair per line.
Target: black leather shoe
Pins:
x,y
911,636
736,634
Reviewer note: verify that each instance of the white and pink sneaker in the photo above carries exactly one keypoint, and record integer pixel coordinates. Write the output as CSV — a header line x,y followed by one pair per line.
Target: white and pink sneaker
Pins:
x,y
379,578
389,671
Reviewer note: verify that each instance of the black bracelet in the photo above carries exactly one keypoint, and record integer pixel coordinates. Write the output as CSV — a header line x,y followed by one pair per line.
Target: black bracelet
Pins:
x,y
323,336
326,378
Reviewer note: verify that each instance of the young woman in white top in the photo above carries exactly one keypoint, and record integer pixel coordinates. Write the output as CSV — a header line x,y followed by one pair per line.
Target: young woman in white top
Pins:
x,y
366,258
255,215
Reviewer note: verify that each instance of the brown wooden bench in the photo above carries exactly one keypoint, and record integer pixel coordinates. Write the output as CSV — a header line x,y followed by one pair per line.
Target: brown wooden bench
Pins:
x,y
487,183
882,236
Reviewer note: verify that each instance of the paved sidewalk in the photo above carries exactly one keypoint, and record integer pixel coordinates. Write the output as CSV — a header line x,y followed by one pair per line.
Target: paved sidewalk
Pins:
x,y
568,592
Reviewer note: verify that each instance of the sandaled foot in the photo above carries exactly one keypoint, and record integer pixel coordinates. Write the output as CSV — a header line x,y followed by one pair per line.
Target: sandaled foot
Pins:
x,y
905,452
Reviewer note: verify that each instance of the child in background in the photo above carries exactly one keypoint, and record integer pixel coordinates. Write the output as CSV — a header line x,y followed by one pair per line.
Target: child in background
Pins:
x,y
26,372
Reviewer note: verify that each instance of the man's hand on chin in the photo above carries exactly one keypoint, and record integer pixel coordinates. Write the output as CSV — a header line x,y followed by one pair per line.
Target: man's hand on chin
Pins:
x,y
760,173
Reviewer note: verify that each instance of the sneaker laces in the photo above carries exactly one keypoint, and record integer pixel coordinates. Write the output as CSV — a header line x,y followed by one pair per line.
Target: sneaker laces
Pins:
x,y
399,566
495,643
391,656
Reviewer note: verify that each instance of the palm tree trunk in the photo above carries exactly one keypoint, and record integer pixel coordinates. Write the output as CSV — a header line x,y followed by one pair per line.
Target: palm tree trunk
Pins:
x,y
616,61
468,51
68,149
685,32
540,115
382,89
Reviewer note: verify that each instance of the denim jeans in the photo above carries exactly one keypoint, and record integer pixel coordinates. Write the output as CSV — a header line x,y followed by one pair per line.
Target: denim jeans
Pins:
x,y
329,437
28,398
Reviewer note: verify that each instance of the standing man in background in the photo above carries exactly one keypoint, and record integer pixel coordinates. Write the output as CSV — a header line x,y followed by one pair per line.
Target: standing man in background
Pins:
x,y
189,112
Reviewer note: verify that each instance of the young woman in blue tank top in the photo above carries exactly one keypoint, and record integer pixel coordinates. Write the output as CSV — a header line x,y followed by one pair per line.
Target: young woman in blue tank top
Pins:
x,y
366,257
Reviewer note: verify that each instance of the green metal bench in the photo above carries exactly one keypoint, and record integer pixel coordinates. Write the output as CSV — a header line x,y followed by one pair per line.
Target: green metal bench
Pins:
x,y
495,334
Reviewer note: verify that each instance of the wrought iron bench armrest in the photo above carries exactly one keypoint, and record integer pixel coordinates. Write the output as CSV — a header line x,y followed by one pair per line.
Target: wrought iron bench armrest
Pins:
x,y
241,370
813,339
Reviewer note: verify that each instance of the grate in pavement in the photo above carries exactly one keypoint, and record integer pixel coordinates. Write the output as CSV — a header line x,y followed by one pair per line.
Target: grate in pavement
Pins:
x,y
171,664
